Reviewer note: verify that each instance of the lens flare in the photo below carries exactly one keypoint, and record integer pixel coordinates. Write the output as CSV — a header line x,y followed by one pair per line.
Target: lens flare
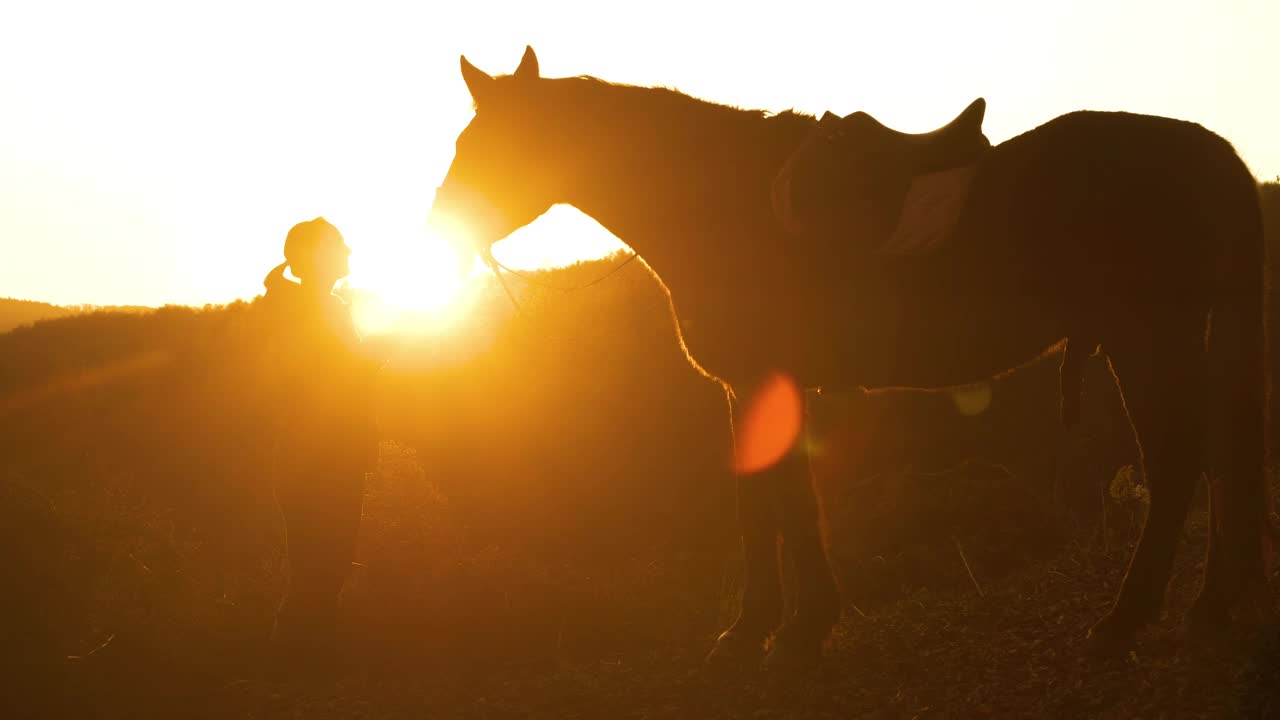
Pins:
x,y
972,400
769,426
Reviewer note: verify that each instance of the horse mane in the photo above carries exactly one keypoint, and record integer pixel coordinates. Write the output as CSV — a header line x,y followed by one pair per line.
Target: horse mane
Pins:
x,y
668,101
674,98
666,106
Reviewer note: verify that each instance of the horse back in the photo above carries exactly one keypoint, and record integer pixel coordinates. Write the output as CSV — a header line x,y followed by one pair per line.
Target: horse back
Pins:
x,y
1104,182
1109,206
1093,225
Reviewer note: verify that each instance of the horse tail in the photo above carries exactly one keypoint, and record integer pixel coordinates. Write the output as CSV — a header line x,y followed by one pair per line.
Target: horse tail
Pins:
x,y
1237,355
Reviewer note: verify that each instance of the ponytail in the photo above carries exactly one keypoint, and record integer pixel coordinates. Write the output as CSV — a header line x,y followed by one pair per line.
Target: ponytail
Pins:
x,y
275,277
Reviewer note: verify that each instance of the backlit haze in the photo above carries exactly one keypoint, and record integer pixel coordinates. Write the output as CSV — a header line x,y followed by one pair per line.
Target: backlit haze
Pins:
x,y
155,153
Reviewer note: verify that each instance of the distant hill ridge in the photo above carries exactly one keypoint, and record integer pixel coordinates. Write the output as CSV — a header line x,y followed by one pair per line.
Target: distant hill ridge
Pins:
x,y
16,313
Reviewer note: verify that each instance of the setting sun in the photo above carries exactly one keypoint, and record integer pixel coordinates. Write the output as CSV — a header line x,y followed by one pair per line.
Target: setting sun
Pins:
x,y
409,284
414,273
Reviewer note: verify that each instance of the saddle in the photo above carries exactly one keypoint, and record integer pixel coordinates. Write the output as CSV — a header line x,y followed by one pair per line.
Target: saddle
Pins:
x,y
890,191
959,142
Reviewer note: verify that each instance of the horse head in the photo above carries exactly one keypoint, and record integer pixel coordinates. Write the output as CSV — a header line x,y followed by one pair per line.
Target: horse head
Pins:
x,y
508,165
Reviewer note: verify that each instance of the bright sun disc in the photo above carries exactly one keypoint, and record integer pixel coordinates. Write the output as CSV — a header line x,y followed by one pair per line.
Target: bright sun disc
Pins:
x,y
415,284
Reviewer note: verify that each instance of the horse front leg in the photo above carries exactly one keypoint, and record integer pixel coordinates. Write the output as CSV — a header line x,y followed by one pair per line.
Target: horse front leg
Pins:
x,y
761,611
817,607
780,498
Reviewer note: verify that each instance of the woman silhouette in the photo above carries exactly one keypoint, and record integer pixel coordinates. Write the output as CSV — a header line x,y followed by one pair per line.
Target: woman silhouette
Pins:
x,y
325,436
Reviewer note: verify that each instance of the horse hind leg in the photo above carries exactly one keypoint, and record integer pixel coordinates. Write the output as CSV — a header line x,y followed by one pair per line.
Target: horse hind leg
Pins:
x,y
1240,537
1164,386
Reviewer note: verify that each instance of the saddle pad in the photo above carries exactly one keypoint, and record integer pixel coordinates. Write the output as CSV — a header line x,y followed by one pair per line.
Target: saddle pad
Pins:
x,y
930,212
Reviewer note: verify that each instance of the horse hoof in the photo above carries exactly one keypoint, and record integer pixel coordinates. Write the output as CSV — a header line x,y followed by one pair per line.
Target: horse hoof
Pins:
x,y
1107,640
733,653
791,655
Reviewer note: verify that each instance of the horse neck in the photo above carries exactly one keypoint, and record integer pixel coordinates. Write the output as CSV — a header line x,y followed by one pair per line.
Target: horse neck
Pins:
x,y
686,188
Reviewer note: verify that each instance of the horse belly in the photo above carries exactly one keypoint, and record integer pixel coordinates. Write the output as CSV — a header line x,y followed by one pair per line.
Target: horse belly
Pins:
x,y
870,332
945,327
958,341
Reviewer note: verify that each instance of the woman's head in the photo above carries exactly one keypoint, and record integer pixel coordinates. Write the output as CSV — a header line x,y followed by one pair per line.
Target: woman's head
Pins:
x,y
316,252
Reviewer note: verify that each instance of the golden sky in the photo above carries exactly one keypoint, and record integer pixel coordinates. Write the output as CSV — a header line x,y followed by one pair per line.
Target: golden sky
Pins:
x,y
155,152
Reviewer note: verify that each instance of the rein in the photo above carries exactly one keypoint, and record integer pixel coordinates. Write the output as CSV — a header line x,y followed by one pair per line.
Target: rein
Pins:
x,y
496,266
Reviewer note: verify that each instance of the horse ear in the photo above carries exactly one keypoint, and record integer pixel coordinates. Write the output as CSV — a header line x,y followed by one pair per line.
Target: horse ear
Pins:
x,y
528,64
477,80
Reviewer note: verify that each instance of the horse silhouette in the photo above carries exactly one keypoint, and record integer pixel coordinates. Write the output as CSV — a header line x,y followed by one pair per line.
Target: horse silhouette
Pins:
x,y
1140,236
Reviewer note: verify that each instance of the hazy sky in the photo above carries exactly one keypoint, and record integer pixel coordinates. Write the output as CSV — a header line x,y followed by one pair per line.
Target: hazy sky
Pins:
x,y
156,152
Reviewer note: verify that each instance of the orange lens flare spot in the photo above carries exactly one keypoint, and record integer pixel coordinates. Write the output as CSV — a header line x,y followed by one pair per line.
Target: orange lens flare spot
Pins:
x,y
770,425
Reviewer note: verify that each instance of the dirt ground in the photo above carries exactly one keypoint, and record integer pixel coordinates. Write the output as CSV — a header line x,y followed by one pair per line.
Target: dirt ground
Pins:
x,y
966,595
